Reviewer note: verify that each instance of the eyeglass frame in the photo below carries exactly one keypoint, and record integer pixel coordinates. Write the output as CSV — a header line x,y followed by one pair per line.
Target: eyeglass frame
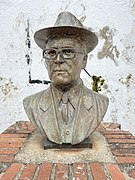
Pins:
x,y
59,51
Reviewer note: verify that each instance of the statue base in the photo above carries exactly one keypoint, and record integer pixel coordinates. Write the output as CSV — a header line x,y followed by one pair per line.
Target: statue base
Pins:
x,y
51,145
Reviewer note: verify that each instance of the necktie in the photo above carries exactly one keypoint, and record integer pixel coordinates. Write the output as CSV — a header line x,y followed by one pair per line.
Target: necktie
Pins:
x,y
64,108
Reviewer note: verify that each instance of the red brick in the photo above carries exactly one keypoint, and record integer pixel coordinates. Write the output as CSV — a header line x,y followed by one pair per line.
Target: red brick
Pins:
x,y
124,141
13,135
6,159
119,136
101,127
11,144
112,126
115,172
122,146
22,125
45,171
117,132
11,172
12,139
124,151
126,160
23,131
80,171
132,173
30,126
8,151
28,172
123,154
61,172
97,171
10,129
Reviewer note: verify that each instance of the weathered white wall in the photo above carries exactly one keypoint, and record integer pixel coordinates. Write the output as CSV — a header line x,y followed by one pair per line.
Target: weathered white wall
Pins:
x,y
113,59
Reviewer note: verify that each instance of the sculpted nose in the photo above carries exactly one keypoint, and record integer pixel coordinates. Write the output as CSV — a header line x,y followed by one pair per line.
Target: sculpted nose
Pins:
x,y
59,59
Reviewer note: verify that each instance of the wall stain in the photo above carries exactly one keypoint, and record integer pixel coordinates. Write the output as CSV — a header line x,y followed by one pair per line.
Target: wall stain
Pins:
x,y
129,50
128,80
132,7
108,50
28,43
6,86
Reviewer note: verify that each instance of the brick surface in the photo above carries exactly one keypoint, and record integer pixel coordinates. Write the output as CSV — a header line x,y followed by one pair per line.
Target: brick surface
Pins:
x,y
28,172
24,131
124,141
61,172
132,173
45,171
12,139
100,127
115,172
112,126
9,151
11,172
80,171
122,146
6,159
119,136
11,144
126,160
121,143
97,171
30,126
13,135
117,132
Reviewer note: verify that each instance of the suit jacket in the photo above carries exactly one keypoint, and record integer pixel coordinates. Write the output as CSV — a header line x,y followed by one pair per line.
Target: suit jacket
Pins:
x,y
40,110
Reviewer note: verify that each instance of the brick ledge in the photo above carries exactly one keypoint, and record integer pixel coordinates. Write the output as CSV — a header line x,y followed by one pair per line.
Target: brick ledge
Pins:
x,y
121,143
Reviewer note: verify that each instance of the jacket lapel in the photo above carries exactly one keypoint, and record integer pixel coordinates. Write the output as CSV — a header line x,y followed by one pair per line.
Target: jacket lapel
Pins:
x,y
85,118
47,117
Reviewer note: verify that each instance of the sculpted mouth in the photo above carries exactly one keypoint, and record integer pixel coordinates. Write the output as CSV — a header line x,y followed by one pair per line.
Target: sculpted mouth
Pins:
x,y
59,70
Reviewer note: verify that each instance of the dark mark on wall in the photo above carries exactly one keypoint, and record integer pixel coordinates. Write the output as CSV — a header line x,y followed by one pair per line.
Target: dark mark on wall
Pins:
x,y
28,58
128,80
6,86
37,81
28,43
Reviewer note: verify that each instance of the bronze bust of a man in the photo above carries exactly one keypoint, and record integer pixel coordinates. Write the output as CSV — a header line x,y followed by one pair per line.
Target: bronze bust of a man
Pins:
x,y
66,112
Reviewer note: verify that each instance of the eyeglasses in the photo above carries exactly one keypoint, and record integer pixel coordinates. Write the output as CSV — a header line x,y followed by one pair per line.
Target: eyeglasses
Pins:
x,y
65,53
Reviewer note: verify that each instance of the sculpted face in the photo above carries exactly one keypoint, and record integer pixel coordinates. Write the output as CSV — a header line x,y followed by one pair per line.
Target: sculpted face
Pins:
x,y
64,72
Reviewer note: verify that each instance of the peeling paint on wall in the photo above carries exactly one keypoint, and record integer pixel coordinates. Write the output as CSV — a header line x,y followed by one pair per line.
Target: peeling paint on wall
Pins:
x,y
129,43
132,7
6,86
128,80
109,50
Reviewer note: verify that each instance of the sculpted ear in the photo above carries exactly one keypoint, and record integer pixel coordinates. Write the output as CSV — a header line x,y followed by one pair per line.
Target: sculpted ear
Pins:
x,y
85,61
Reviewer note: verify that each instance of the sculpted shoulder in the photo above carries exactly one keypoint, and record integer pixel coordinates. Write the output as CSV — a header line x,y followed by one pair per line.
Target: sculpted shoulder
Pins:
x,y
32,100
92,97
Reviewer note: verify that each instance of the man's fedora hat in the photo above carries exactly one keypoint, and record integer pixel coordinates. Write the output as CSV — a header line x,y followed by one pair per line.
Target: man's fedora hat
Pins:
x,y
66,25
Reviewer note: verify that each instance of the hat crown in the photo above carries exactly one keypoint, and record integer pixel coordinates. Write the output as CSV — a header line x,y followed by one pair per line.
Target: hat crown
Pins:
x,y
66,25
67,19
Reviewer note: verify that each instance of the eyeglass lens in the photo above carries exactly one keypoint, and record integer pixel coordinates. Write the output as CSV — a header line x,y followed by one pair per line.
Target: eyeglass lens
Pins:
x,y
66,53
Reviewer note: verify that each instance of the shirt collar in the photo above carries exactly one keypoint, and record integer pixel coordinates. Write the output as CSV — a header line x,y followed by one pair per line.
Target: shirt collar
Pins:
x,y
73,94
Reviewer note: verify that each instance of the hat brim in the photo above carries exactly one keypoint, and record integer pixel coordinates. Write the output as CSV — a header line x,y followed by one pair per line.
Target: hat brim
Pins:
x,y
87,36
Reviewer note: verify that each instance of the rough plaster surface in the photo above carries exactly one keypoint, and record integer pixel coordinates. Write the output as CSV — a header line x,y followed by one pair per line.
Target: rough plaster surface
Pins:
x,y
33,151
113,59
